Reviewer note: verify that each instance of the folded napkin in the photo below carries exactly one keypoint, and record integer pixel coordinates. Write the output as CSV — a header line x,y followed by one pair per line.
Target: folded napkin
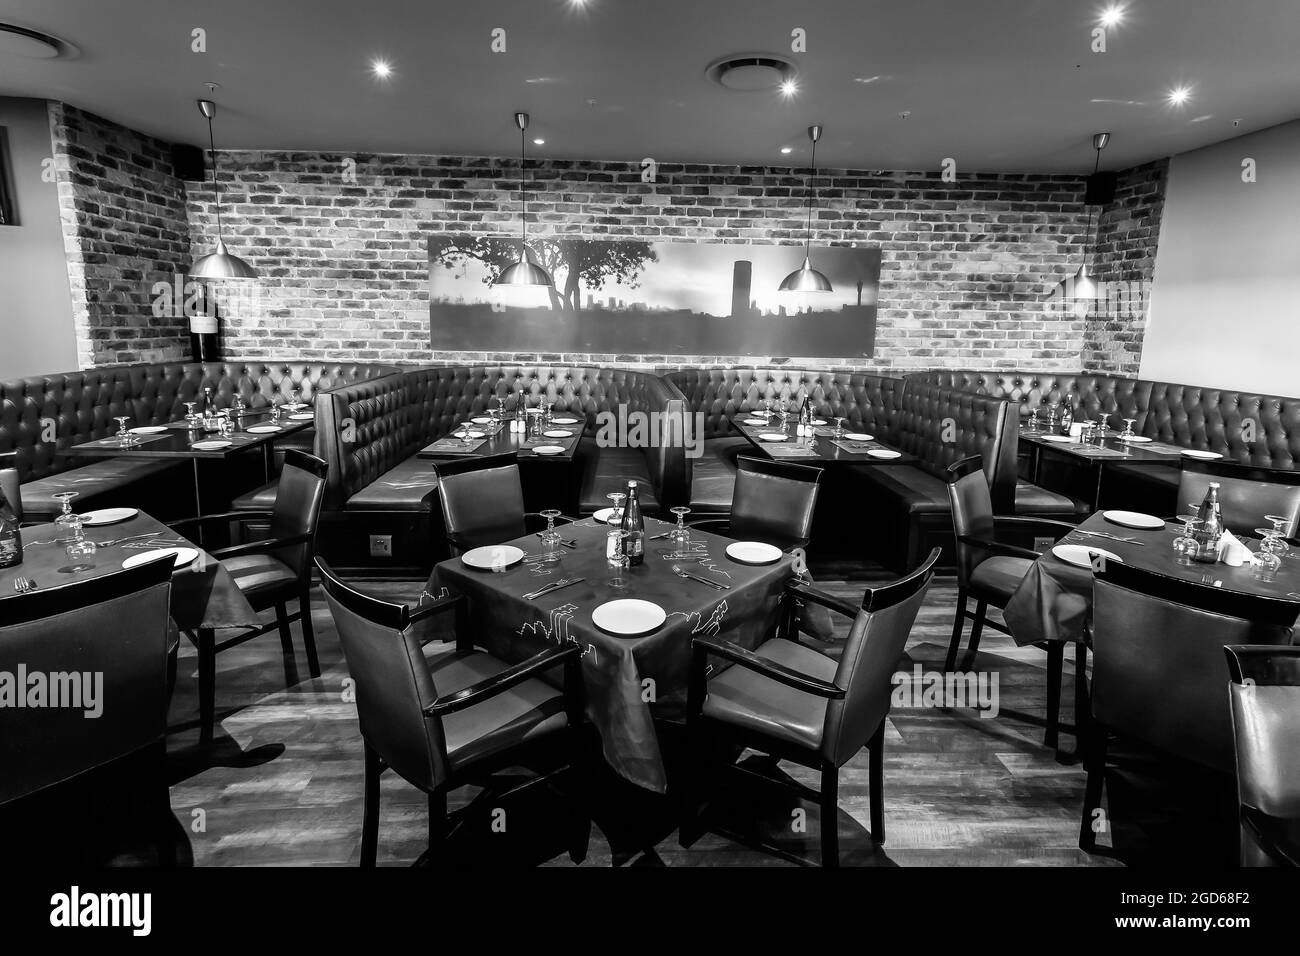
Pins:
x,y
1232,552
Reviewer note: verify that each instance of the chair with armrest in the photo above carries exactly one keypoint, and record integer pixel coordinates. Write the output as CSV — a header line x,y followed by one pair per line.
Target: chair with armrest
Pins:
x,y
1246,493
483,502
773,502
792,702
104,640
1265,705
270,572
444,715
1160,639
990,570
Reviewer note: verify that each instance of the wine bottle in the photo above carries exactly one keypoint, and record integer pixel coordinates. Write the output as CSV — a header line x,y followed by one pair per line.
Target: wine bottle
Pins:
x,y
805,416
1210,530
1067,417
634,525
521,414
11,535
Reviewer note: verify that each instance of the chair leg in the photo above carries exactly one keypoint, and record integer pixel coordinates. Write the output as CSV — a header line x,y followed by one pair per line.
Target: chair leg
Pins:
x,y
1055,670
1096,763
830,816
1082,702
308,634
977,629
876,773
437,820
370,818
957,627
207,685
286,644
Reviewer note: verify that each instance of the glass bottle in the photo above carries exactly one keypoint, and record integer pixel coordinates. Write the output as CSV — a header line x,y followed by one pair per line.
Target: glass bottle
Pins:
x,y
634,525
521,414
1210,529
11,536
1067,417
805,417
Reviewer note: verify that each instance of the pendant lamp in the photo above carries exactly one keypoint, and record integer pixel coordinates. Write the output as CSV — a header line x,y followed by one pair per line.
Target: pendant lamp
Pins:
x,y
806,278
220,264
525,272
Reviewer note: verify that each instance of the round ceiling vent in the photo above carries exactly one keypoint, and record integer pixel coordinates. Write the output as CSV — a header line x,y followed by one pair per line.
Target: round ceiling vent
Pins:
x,y
20,41
751,72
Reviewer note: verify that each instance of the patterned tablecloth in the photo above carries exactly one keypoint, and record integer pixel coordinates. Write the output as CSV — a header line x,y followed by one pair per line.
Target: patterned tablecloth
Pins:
x,y
629,681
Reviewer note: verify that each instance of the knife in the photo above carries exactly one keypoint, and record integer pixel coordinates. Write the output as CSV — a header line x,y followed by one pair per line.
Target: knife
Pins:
x,y
551,588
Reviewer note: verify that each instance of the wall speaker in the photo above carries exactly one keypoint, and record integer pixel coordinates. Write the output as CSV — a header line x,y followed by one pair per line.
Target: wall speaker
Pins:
x,y
188,162
1100,189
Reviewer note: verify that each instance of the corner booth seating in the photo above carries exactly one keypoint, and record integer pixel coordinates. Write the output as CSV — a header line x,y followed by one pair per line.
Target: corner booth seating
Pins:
x,y
1262,430
42,415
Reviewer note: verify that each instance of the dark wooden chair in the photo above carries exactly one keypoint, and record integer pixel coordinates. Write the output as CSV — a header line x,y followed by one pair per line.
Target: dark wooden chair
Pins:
x,y
483,502
270,572
989,570
1265,702
773,502
790,701
1246,493
443,716
1159,673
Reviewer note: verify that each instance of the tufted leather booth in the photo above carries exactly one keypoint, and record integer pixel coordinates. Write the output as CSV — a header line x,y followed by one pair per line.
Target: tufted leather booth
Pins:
x,y
73,407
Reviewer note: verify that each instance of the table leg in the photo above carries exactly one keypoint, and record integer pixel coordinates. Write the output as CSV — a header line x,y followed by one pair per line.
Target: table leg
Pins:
x,y
268,459
1096,496
198,495
1038,461
207,685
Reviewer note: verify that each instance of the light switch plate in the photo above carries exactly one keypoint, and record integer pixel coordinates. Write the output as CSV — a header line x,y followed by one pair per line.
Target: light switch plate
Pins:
x,y
1042,544
381,545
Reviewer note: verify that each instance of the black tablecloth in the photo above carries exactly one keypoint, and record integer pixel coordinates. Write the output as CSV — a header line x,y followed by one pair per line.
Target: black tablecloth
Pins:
x,y
628,680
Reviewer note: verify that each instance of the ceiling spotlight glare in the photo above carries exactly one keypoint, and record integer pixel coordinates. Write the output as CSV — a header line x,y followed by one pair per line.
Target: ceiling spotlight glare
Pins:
x,y
789,88
787,150
539,142
1112,15
381,69
1178,95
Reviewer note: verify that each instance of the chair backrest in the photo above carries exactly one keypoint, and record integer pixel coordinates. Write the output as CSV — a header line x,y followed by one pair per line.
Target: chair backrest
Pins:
x,y
99,648
298,498
1265,702
875,643
392,681
972,513
1246,493
12,490
1159,670
482,501
774,501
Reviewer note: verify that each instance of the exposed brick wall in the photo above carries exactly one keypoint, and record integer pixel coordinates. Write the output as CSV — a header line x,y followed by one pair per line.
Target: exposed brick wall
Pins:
x,y
967,267
1127,236
125,227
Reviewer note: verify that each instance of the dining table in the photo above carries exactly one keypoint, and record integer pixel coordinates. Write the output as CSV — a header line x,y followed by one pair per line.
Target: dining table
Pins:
x,y
1054,600
629,681
1105,448
822,447
481,437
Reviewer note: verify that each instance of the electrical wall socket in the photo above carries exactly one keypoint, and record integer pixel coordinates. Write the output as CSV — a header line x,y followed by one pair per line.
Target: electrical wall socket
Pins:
x,y
1040,544
381,545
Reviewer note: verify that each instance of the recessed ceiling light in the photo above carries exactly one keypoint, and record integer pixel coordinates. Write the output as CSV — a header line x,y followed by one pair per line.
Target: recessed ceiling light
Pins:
x,y
787,149
1112,15
867,79
381,68
789,88
1179,95
539,141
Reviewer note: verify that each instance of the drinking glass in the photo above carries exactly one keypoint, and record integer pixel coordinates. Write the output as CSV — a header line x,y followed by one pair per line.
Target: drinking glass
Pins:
x,y
616,566
765,408
67,522
1281,526
80,547
1085,432
550,537
240,407
839,426
1127,433
1185,545
616,517
680,534
190,416
124,437
293,399
1268,559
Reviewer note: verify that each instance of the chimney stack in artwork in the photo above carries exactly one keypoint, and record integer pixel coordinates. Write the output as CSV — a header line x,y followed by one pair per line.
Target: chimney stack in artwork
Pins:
x,y
741,278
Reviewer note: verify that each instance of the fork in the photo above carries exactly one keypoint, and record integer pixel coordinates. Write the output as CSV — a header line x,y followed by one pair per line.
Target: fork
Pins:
x,y
553,586
23,585
677,570
1113,537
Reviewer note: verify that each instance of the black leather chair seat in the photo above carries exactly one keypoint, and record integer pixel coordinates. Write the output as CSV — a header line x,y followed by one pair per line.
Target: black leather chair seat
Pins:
x,y
746,699
918,491
713,475
523,713
1036,500
606,470
259,499
115,482
998,577
411,486
259,573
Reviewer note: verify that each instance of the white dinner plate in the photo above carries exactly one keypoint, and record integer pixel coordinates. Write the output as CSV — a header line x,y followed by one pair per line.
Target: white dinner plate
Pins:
x,y
1136,439
1081,555
148,429
1134,519
481,420
557,433
548,450
603,515
755,421
469,433
292,405
858,436
215,444
262,429
1058,439
565,421
819,421
1203,455
97,519
628,617
494,557
883,453
753,552
183,556
302,417
772,436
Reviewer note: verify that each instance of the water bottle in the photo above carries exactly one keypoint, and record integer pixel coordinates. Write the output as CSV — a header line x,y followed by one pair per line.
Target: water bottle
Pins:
x,y
634,525
521,415
1210,530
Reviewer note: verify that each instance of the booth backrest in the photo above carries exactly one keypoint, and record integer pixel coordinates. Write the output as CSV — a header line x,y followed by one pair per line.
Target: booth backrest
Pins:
x,y
363,430
1096,394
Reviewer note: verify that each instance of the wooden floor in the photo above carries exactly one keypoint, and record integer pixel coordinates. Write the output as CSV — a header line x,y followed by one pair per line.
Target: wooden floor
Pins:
x,y
284,782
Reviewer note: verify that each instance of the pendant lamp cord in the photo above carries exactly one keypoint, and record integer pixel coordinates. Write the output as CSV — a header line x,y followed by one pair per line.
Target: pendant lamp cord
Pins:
x,y
1087,236
523,193
216,189
807,240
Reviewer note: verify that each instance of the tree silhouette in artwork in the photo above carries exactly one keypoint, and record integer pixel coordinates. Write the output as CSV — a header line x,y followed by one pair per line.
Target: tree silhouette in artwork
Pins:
x,y
573,263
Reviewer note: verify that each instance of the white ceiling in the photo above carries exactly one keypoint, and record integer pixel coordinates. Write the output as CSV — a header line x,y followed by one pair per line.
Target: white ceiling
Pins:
x,y
1005,85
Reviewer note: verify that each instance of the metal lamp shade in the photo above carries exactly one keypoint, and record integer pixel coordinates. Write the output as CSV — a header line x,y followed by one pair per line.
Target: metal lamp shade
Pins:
x,y
805,279
221,265
524,272
1084,287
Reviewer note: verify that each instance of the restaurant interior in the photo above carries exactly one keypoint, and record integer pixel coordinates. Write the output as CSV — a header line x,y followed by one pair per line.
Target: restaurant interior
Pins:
x,y
587,434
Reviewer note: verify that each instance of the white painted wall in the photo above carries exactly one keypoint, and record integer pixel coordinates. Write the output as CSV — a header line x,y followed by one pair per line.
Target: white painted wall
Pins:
x,y
1225,298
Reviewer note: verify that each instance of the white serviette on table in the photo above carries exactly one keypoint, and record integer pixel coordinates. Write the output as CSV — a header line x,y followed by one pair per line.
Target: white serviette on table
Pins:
x,y
1232,552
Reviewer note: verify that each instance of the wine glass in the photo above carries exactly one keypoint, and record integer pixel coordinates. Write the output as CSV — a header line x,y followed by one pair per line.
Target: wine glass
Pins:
x,y
1127,433
765,408
124,437
617,565
550,537
1281,525
1268,559
240,408
839,426
680,534
1185,545
80,547
293,399
189,414
66,523
1086,429
616,515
